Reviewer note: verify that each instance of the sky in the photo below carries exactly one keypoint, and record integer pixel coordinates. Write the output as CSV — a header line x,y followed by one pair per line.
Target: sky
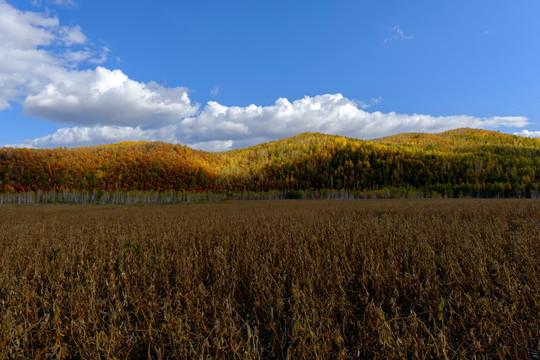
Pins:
x,y
218,75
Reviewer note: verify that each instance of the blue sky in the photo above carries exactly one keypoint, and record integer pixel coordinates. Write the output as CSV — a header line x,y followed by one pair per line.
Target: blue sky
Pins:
x,y
218,75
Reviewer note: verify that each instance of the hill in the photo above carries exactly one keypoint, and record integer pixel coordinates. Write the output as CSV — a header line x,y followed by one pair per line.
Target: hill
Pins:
x,y
460,138
459,162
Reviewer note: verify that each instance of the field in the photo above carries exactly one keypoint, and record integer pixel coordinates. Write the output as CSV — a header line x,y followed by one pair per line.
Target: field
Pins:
x,y
384,279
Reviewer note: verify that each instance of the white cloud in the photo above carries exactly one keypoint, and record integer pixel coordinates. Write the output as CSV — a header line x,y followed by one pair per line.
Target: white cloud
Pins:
x,y
106,97
397,33
25,30
218,127
71,35
83,136
87,136
213,145
101,57
38,67
527,133
214,91
331,114
34,50
68,3
373,102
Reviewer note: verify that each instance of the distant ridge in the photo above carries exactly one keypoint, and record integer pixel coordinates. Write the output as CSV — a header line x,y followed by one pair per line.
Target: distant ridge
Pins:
x,y
460,137
460,162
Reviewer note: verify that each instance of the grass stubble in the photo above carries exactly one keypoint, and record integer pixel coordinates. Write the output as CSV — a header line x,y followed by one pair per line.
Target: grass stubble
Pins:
x,y
447,279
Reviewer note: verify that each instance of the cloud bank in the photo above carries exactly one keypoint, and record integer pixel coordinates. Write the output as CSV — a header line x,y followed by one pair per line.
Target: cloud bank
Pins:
x,y
218,127
41,65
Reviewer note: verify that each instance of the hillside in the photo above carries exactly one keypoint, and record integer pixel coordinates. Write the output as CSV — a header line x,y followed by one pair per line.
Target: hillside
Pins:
x,y
460,138
454,163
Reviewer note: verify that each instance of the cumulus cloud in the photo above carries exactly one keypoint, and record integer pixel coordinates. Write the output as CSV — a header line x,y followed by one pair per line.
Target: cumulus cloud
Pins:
x,y
527,133
106,97
39,62
101,134
34,50
330,113
71,35
218,127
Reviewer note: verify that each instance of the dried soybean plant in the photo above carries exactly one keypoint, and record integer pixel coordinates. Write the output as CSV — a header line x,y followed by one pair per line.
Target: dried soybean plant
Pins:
x,y
453,279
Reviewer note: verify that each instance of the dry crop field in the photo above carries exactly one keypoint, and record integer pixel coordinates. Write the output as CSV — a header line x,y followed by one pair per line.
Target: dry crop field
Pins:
x,y
384,279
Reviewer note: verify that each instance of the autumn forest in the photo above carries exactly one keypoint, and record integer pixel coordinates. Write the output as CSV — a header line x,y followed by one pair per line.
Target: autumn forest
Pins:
x,y
456,163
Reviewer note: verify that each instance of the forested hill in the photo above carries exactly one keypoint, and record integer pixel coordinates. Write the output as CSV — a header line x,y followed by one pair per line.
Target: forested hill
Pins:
x,y
461,162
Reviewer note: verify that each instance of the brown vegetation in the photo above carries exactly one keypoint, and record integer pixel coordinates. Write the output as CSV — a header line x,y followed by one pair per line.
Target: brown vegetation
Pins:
x,y
260,279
